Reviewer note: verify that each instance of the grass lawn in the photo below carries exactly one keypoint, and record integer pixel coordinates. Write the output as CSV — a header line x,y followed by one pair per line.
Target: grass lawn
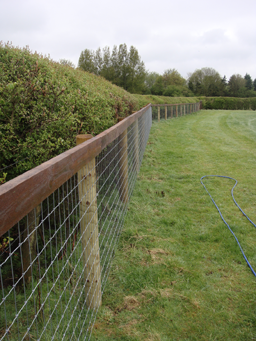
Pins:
x,y
178,273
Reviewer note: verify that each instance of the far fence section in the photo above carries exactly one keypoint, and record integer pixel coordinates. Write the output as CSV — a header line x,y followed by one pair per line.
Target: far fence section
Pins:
x,y
59,226
166,111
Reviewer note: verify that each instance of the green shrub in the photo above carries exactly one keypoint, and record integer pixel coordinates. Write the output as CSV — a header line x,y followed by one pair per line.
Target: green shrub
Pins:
x,y
228,103
44,105
145,99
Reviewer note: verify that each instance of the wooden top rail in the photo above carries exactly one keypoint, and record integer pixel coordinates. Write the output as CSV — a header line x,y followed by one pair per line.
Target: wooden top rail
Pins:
x,y
168,105
22,194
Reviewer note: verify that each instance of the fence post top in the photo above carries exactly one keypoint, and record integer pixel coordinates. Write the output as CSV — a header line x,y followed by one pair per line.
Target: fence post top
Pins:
x,y
82,138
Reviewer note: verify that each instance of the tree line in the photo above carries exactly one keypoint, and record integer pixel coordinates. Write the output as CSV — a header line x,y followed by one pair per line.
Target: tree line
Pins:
x,y
125,68
120,66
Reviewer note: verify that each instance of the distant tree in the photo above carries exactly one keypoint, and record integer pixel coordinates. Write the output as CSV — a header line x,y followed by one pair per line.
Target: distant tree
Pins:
x,y
114,63
172,77
224,81
150,80
248,82
98,61
224,87
177,91
137,72
205,81
67,62
107,70
86,61
122,70
236,84
171,83
191,86
254,84
121,67
158,87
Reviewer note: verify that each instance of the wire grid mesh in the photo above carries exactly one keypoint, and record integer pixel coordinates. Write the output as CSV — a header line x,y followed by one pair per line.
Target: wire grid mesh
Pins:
x,y
55,262
154,113
169,112
174,110
162,117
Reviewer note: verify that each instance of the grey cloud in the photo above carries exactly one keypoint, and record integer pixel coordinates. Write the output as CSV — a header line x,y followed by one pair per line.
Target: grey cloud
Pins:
x,y
184,35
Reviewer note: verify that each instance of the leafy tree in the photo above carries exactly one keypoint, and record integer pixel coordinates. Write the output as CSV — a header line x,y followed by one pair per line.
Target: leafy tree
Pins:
x,y
236,84
191,86
224,81
98,61
171,83
150,80
177,91
86,61
137,72
121,67
67,63
254,84
205,81
172,77
248,82
158,87
107,70
224,87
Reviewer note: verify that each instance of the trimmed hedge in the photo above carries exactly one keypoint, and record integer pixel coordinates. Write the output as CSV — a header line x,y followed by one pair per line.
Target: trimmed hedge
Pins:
x,y
228,103
145,99
44,105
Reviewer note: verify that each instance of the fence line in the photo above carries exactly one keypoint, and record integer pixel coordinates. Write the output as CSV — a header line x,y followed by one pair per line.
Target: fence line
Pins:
x,y
165,111
59,226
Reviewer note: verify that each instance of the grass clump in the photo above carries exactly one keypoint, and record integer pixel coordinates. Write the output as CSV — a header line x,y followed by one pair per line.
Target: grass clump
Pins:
x,y
178,272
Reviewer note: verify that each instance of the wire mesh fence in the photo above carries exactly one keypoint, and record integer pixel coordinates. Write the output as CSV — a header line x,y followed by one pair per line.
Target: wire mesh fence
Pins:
x,y
55,261
166,111
55,257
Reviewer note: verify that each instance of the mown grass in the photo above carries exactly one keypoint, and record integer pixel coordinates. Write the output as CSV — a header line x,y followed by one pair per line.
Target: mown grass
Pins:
x,y
178,273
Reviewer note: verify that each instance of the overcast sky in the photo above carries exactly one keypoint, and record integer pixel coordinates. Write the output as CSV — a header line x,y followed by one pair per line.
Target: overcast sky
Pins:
x,y
185,34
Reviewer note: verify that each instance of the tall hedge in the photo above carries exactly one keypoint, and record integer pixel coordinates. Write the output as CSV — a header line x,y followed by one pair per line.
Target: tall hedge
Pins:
x,y
44,105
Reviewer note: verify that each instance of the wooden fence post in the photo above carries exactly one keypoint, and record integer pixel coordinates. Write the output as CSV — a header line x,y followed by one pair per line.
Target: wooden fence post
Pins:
x,y
89,229
29,245
176,110
136,145
123,167
158,114
165,112
172,111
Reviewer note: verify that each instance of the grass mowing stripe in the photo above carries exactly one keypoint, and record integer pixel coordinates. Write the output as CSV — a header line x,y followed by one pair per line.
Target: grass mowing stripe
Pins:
x,y
178,273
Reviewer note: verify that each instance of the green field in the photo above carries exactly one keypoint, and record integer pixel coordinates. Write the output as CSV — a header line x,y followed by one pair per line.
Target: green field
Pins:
x,y
178,273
